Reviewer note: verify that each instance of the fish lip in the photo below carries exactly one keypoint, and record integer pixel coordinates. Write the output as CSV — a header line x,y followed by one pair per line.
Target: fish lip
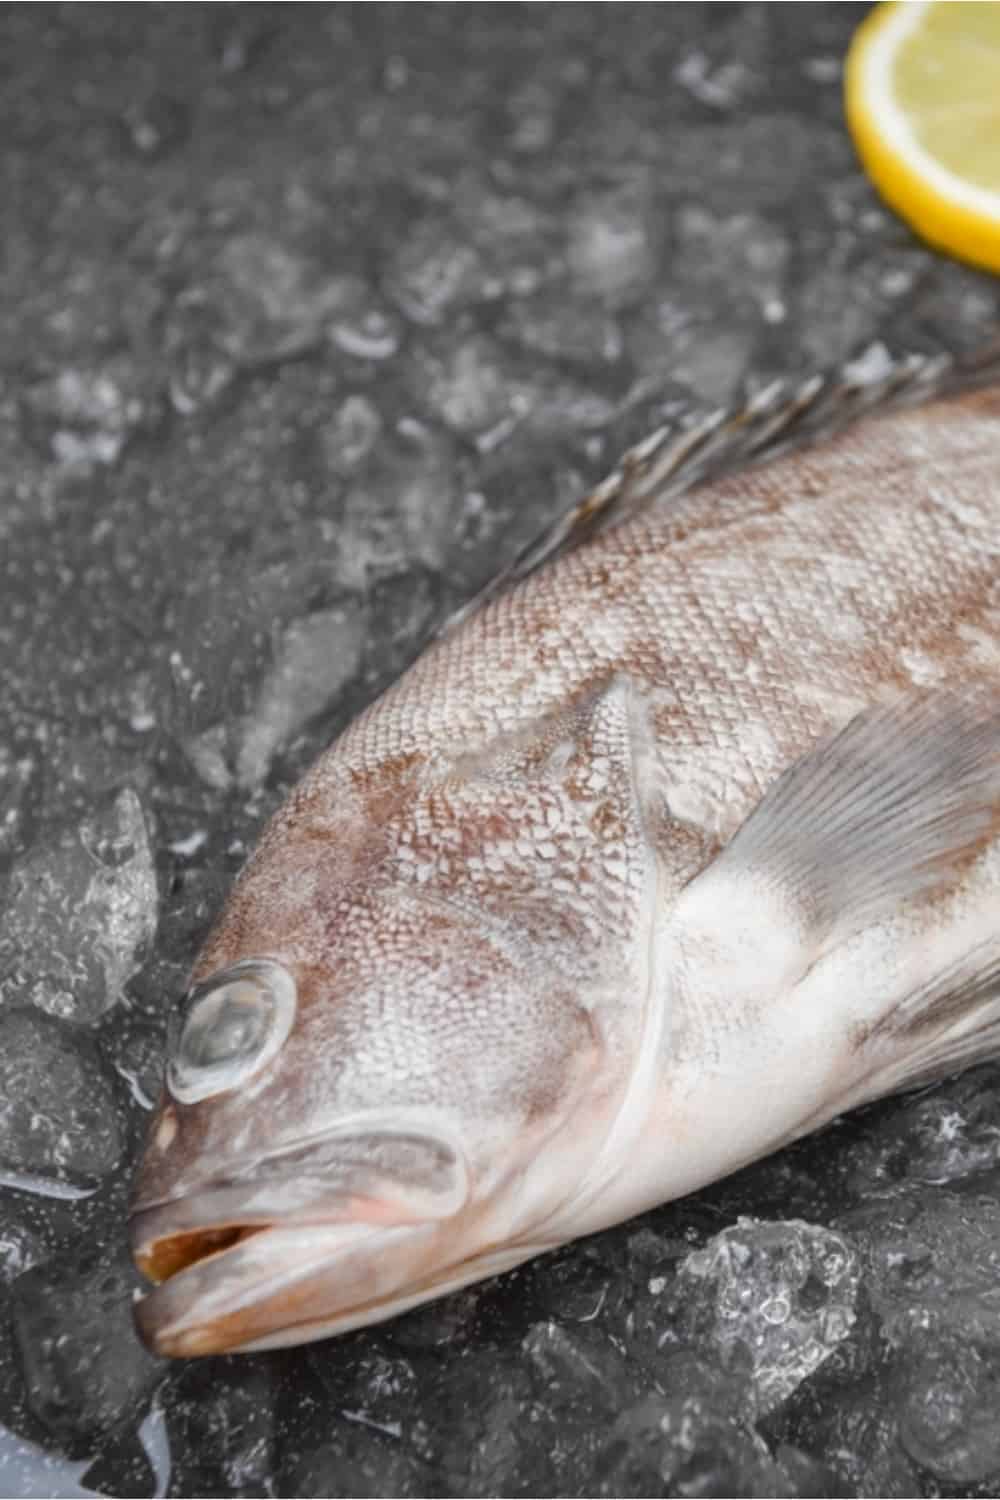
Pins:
x,y
184,1213
330,1165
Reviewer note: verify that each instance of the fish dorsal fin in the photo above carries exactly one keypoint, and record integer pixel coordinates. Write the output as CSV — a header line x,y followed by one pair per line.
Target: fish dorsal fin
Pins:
x,y
783,415
885,811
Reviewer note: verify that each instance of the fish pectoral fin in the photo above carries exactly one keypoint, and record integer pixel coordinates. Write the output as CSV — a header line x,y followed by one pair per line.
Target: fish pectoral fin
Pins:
x,y
886,810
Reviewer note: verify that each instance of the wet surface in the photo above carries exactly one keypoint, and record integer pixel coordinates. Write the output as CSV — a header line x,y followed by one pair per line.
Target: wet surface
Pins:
x,y
313,316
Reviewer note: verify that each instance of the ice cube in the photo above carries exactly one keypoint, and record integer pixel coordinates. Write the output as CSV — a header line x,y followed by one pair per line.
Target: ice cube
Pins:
x,y
376,1389
260,650
220,1418
683,1444
277,301
22,1245
779,1296
20,777
559,326
436,1325
83,417
947,1404
614,241
261,300
578,1366
367,330
468,383
400,510
59,1124
479,1429
434,273
932,1259
81,915
316,658
354,1461
937,1137
84,1367
858,1435
728,258
157,125
136,1051
351,436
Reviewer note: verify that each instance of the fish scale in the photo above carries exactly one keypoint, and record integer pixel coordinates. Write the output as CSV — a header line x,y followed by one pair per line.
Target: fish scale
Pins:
x,y
670,850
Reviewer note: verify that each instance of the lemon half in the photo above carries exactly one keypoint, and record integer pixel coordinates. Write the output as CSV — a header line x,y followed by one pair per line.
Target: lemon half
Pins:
x,y
922,90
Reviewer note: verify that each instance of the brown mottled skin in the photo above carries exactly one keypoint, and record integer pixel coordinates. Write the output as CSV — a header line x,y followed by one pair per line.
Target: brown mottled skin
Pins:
x,y
468,885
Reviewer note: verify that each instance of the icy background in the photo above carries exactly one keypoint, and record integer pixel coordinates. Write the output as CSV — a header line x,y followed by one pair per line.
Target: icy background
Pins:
x,y
311,316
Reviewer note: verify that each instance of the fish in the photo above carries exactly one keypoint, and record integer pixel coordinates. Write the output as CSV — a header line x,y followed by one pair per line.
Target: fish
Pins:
x,y
679,843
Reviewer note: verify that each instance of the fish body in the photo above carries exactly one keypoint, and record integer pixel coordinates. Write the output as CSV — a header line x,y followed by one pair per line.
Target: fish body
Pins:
x,y
666,855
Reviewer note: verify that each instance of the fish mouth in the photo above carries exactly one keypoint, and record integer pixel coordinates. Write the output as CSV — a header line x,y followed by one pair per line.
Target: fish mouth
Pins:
x,y
306,1242
242,1287
257,1284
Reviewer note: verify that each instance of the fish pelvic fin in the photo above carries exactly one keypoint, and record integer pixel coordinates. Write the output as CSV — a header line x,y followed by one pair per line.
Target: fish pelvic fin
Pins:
x,y
888,809
784,415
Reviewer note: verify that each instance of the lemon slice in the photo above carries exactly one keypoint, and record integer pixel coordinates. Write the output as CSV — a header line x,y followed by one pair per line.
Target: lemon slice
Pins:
x,y
922,89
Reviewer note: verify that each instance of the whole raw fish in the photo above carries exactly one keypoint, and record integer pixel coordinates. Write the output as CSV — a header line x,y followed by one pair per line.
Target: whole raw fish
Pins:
x,y
665,855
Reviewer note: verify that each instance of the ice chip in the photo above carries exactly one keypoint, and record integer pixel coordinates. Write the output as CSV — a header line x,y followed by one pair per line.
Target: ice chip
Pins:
x,y
136,1051
931,1259
59,1126
613,244
157,125
261,300
440,1324
578,1365
781,1293
947,1403
317,657
366,330
352,434
382,1391
683,1443
938,1137
20,777
554,325
469,385
221,1428
433,273
83,1365
401,508
21,1244
83,417
472,1428
81,915
277,301
352,1460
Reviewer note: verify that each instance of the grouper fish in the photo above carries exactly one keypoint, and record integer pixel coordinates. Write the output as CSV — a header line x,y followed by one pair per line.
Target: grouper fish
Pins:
x,y
682,842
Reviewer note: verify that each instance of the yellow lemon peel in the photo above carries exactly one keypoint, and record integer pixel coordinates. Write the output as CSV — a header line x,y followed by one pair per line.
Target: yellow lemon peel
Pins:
x,y
922,92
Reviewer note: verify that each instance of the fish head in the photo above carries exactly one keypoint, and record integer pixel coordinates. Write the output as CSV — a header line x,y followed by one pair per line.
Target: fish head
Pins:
x,y
383,1087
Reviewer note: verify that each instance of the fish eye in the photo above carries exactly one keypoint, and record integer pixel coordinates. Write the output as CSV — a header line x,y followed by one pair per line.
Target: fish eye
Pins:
x,y
230,1026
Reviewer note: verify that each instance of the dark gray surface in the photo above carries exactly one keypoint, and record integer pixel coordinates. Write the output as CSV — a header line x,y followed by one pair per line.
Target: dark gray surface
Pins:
x,y
312,316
